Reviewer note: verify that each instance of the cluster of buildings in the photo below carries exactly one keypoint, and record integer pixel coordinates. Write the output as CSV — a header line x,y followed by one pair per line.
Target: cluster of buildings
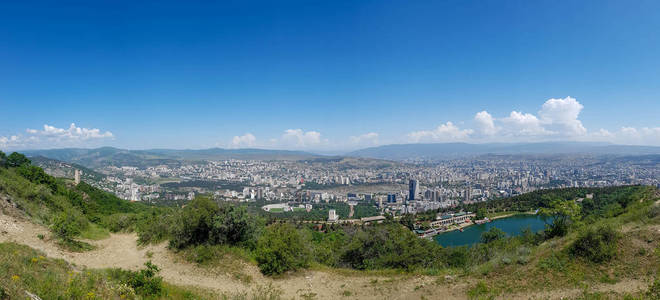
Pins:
x,y
394,187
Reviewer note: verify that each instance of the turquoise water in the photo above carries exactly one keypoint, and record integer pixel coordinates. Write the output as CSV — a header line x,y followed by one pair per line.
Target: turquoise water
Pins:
x,y
471,235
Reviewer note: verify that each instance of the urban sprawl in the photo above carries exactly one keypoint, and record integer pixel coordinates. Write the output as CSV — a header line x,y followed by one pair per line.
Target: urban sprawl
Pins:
x,y
393,187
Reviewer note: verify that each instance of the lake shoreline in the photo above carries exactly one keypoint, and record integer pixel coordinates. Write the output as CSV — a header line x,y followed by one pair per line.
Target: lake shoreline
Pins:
x,y
466,225
511,223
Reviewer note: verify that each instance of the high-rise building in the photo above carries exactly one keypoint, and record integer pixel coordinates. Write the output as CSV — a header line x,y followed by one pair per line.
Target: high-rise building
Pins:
x,y
391,198
467,192
332,216
413,189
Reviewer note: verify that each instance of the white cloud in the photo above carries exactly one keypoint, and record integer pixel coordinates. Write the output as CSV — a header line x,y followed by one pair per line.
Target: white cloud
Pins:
x,y
557,119
246,140
562,115
447,132
9,142
485,123
71,133
523,124
52,136
629,136
602,133
301,139
370,138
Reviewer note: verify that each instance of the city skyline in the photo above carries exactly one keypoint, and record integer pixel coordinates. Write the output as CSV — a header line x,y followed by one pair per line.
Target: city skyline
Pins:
x,y
327,76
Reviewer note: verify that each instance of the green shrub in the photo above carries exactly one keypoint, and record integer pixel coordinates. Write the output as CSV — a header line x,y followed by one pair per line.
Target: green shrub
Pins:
x,y
66,225
154,228
280,249
554,262
654,290
144,282
3,164
494,234
480,291
17,159
654,212
203,221
596,244
458,257
119,222
390,246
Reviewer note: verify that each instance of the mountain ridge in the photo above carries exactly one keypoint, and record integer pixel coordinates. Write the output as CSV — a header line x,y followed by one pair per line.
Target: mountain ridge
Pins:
x,y
457,150
94,157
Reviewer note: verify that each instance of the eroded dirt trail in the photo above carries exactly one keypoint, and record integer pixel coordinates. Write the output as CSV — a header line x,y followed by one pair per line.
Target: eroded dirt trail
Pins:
x,y
122,251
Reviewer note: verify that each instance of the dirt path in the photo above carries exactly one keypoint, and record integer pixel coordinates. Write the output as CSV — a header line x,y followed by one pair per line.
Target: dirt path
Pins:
x,y
122,251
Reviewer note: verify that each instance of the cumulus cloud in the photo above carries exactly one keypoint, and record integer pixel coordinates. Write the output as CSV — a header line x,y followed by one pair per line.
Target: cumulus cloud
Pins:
x,y
370,138
485,123
301,139
71,133
12,141
629,136
523,124
246,140
52,136
562,115
447,132
557,119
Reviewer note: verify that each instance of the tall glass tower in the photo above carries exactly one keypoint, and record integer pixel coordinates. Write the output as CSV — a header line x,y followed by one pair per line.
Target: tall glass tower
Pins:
x,y
413,189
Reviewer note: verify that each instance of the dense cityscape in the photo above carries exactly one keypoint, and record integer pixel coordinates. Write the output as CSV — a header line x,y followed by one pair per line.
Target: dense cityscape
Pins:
x,y
393,187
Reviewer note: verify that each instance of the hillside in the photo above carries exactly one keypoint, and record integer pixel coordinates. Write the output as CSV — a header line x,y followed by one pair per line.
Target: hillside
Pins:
x,y
62,169
99,157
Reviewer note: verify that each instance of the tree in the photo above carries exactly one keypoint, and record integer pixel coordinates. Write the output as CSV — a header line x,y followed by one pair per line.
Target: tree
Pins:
x,y
3,160
562,212
481,213
390,246
281,248
492,235
231,224
202,221
16,160
408,220
192,224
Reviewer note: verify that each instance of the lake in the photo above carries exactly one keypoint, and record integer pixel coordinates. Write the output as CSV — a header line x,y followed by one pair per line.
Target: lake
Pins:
x,y
471,235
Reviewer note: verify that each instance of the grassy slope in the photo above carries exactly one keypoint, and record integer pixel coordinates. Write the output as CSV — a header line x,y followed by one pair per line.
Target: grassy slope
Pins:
x,y
25,269
546,267
552,268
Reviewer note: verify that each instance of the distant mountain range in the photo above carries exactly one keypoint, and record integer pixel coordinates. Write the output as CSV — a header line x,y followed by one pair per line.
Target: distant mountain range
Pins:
x,y
456,150
105,156
93,158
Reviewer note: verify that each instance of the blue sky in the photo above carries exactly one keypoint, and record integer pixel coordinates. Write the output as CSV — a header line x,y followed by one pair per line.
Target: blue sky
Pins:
x,y
326,75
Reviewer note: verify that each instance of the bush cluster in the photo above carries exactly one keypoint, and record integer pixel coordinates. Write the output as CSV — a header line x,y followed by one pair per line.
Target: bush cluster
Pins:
x,y
597,244
203,221
68,224
281,248
144,282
